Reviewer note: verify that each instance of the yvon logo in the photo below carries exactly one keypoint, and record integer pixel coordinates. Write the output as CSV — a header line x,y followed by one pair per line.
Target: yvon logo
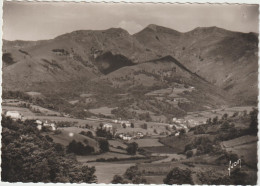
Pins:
x,y
233,165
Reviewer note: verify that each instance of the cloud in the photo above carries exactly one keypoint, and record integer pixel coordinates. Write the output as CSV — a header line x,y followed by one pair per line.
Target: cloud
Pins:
x,y
131,26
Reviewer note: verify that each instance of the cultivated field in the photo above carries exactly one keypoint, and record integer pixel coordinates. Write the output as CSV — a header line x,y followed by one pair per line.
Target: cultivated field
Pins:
x,y
102,110
202,116
147,142
106,171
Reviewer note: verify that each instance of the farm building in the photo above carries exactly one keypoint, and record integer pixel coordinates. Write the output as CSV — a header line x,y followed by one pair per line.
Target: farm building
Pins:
x,y
46,124
15,115
107,126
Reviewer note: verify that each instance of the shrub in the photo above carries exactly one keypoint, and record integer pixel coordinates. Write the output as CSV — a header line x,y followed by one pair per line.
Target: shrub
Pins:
x,y
103,145
189,154
118,179
178,176
132,148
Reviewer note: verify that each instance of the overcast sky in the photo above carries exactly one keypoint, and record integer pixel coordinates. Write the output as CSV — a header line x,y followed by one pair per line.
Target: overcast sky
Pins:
x,y
46,20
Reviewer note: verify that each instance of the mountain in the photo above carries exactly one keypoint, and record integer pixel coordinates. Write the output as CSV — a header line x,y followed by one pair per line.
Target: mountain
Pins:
x,y
224,60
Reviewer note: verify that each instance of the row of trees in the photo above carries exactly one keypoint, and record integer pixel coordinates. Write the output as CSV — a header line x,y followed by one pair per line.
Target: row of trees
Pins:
x,y
79,148
29,156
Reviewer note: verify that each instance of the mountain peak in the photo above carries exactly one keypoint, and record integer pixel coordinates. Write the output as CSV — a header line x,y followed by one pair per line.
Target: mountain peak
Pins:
x,y
208,30
152,26
160,29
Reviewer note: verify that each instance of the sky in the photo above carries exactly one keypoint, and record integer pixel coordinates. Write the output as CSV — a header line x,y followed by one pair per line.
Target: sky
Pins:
x,y
46,20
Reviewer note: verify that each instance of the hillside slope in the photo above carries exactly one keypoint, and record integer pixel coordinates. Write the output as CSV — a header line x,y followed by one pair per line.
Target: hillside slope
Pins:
x,y
227,59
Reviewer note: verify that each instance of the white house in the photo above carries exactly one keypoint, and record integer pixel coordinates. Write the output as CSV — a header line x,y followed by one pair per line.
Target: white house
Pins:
x,y
126,123
51,125
15,115
39,122
107,126
127,138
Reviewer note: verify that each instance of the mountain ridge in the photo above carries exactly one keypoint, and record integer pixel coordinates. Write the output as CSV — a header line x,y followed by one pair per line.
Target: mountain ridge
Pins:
x,y
203,51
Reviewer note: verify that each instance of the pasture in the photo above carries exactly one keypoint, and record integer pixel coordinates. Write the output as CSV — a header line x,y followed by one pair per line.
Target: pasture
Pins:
x,y
102,110
24,111
245,147
202,116
106,171
105,155
147,142
65,137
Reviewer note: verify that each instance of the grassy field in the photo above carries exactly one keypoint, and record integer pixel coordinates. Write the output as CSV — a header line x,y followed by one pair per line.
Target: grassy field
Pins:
x,y
147,142
14,104
24,111
65,138
76,130
204,115
245,147
177,143
160,149
106,155
116,143
102,110
106,171
169,157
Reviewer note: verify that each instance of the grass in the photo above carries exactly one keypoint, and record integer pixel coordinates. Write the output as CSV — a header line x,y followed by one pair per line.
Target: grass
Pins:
x,y
147,142
76,130
102,110
64,138
204,115
177,143
106,171
24,111
106,155
160,149
116,143
245,147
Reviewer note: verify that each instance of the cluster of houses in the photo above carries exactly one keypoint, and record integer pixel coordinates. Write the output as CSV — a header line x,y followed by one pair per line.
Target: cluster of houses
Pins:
x,y
122,122
128,137
188,122
48,124
14,115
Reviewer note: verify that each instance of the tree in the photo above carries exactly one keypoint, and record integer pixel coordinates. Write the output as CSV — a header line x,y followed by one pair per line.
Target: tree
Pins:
x,y
118,179
132,125
225,116
189,153
124,125
30,157
132,148
224,126
103,145
178,176
215,120
144,126
139,180
182,132
79,149
209,122
132,172
253,128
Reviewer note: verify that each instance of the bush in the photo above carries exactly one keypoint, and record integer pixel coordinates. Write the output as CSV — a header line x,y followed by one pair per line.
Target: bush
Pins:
x,y
103,145
27,156
132,148
178,176
189,154
118,179
132,172
79,149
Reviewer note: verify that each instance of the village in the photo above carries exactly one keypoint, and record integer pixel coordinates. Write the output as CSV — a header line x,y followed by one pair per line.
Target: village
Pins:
x,y
118,127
